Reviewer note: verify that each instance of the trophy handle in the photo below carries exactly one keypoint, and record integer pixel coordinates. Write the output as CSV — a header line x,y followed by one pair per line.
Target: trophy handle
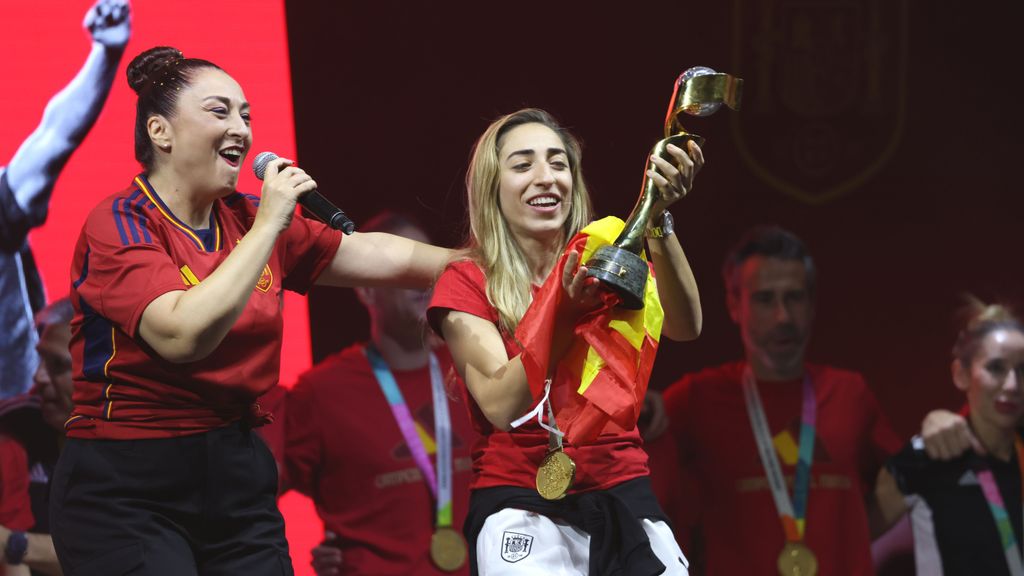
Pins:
x,y
699,91
619,264
632,236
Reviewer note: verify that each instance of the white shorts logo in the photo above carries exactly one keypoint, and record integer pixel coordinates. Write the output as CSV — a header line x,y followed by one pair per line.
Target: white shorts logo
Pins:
x,y
515,546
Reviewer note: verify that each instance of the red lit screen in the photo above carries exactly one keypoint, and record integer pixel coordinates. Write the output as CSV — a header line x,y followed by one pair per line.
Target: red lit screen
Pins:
x,y
45,45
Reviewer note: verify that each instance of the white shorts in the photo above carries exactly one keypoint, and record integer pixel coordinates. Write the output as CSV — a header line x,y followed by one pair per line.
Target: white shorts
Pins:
x,y
515,541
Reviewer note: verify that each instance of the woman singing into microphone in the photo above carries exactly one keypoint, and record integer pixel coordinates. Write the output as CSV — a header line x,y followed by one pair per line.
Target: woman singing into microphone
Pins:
x,y
176,284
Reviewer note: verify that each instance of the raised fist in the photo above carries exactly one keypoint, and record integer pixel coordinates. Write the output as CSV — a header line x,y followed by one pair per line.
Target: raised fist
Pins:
x,y
109,22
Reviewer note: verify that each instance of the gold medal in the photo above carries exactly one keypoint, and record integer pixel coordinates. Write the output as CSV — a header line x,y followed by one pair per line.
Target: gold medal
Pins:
x,y
555,475
796,559
447,549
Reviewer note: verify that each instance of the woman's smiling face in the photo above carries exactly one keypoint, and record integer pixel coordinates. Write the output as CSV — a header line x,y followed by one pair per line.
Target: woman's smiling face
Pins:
x,y
210,132
535,181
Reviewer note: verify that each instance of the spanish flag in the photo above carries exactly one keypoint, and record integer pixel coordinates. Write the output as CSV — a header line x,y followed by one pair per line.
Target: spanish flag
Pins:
x,y
599,385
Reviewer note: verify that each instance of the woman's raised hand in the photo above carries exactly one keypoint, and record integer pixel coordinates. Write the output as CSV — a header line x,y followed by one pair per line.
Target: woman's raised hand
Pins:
x,y
675,181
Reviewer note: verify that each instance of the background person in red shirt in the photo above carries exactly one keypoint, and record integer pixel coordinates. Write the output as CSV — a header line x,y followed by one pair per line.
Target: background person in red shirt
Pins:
x,y
345,448
725,505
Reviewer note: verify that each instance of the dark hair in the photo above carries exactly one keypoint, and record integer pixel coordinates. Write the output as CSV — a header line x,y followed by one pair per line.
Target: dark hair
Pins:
x,y
768,242
978,320
157,77
56,312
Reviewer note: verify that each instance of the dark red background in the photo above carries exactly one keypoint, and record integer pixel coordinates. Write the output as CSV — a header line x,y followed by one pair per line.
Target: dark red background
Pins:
x,y
390,96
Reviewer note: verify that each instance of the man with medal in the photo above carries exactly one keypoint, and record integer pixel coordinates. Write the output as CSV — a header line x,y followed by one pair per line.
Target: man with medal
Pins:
x,y
373,438
778,455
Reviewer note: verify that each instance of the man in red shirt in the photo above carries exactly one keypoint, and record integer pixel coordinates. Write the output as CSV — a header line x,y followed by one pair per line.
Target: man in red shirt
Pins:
x,y
778,455
365,441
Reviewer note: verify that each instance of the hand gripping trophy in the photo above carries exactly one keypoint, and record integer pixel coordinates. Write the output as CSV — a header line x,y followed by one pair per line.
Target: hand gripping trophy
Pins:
x,y
699,91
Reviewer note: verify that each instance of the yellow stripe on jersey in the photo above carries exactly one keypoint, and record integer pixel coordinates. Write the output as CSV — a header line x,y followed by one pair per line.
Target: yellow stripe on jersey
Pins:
x,y
189,276
113,351
106,371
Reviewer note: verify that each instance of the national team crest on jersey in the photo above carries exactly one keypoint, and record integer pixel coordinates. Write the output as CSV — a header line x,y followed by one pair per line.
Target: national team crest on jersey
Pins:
x,y
825,92
515,546
266,279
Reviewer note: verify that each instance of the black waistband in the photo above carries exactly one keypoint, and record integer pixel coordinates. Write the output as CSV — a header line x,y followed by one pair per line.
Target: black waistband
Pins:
x,y
618,543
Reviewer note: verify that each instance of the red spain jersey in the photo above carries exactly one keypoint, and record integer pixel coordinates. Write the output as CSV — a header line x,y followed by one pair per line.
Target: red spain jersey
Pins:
x,y
132,249
371,492
512,458
727,494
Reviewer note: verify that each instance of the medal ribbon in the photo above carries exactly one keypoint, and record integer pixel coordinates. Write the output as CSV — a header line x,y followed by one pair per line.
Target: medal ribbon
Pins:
x,y
538,412
998,508
441,484
792,513
554,434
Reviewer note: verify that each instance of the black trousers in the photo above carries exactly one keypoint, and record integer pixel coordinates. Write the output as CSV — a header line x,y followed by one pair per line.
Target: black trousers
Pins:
x,y
203,504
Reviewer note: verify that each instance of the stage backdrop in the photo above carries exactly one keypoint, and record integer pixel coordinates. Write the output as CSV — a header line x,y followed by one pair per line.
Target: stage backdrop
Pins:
x,y
881,131
877,130
44,45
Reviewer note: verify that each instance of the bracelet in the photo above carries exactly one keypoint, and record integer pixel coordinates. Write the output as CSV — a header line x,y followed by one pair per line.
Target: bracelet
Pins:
x,y
665,228
17,546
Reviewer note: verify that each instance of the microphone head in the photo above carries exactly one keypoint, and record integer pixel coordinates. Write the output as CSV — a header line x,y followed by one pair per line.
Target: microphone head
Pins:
x,y
259,164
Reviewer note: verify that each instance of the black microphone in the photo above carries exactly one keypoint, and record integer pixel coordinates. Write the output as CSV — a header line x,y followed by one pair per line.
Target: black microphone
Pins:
x,y
313,201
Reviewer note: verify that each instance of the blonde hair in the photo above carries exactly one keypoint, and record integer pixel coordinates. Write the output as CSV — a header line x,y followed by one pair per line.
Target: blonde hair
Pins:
x,y
979,319
491,243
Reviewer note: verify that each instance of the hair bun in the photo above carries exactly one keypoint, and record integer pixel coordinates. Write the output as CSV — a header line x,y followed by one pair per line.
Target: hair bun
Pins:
x,y
149,64
978,319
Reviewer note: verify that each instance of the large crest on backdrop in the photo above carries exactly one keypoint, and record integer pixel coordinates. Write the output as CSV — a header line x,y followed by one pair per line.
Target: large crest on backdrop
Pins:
x,y
826,92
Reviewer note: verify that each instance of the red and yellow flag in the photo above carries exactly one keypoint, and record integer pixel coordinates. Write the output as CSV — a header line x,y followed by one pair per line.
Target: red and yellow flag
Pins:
x,y
599,385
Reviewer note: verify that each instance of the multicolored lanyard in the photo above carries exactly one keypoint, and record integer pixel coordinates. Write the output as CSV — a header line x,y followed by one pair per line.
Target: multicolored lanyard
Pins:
x,y
441,484
792,513
998,508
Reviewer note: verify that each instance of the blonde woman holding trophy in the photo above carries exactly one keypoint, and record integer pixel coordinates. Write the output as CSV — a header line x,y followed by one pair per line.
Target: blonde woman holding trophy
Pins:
x,y
517,312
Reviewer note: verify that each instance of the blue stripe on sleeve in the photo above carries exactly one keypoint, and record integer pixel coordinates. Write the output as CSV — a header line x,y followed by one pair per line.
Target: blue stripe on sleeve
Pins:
x,y
120,224
98,346
85,269
137,209
129,216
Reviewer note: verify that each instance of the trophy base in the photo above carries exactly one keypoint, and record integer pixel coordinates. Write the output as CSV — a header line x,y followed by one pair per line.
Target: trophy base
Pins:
x,y
623,271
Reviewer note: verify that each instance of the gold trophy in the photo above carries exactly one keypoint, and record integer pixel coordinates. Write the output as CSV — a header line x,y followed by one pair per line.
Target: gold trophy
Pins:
x,y
699,91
